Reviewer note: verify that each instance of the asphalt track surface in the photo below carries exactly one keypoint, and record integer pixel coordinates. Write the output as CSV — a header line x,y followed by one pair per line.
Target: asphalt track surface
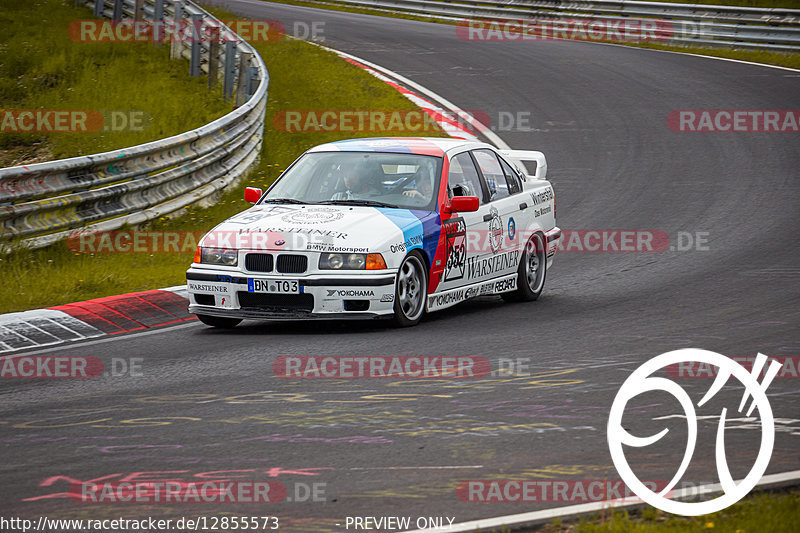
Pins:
x,y
208,400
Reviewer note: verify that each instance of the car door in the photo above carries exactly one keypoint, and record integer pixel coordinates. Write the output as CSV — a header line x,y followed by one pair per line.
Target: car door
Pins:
x,y
463,231
503,216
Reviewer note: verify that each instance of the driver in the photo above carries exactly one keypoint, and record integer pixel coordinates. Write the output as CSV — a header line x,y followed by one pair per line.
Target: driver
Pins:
x,y
423,184
355,186
422,192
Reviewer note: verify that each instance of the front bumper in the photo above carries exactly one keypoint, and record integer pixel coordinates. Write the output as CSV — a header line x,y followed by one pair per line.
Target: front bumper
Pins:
x,y
225,293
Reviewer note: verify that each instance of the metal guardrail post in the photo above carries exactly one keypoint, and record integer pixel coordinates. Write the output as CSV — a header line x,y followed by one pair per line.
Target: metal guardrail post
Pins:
x,y
177,31
158,22
230,69
252,81
194,61
138,10
265,80
99,6
241,82
117,16
213,57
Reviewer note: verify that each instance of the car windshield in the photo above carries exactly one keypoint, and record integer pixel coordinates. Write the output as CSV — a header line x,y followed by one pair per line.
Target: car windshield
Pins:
x,y
370,179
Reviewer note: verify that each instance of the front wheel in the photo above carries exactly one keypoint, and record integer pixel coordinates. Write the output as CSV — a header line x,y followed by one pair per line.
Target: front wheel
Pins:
x,y
219,321
532,271
410,291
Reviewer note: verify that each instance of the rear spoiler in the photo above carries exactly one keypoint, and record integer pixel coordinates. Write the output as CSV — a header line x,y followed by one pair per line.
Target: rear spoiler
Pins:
x,y
528,155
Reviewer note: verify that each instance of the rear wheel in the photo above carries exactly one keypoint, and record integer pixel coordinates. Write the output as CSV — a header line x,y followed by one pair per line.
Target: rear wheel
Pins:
x,y
532,271
410,291
219,321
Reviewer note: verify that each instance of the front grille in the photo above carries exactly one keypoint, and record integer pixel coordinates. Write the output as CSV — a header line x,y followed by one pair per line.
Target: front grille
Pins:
x,y
292,264
204,299
276,302
258,262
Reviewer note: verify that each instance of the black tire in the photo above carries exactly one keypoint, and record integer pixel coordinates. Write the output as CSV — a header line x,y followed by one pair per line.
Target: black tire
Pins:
x,y
410,291
532,271
219,321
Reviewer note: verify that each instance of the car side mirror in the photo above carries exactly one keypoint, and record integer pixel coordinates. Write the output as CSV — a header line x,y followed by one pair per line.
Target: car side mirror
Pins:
x,y
252,194
463,204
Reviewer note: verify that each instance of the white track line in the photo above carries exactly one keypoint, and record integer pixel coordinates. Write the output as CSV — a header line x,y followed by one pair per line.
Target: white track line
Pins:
x,y
693,54
548,514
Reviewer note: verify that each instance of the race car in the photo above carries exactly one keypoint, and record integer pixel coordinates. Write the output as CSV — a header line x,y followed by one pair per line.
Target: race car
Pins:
x,y
380,228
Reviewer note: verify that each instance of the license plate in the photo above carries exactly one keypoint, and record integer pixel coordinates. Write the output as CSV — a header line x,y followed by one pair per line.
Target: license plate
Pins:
x,y
277,286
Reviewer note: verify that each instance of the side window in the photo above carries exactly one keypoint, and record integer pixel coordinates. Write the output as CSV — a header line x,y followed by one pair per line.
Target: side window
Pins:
x,y
463,178
493,173
512,178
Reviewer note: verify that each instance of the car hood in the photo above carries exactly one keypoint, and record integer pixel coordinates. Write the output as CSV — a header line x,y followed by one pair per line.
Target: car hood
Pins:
x,y
316,227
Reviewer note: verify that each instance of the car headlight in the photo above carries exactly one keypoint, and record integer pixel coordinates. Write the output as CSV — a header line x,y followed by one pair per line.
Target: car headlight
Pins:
x,y
335,261
216,256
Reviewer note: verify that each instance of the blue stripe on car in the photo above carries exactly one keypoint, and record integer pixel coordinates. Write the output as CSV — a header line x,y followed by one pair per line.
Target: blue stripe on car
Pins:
x,y
407,222
414,223
431,227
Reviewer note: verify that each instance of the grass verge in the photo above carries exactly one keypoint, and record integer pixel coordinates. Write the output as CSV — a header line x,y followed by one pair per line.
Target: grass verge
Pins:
x,y
791,60
56,275
41,67
740,3
764,511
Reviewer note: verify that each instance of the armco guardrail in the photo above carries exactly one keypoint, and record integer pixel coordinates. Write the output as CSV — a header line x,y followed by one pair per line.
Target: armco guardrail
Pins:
x,y
42,203
775,29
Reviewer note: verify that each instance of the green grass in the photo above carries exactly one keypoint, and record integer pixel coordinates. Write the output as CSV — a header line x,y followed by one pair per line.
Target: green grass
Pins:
x,y
791,60
760,512
42,68
56,275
